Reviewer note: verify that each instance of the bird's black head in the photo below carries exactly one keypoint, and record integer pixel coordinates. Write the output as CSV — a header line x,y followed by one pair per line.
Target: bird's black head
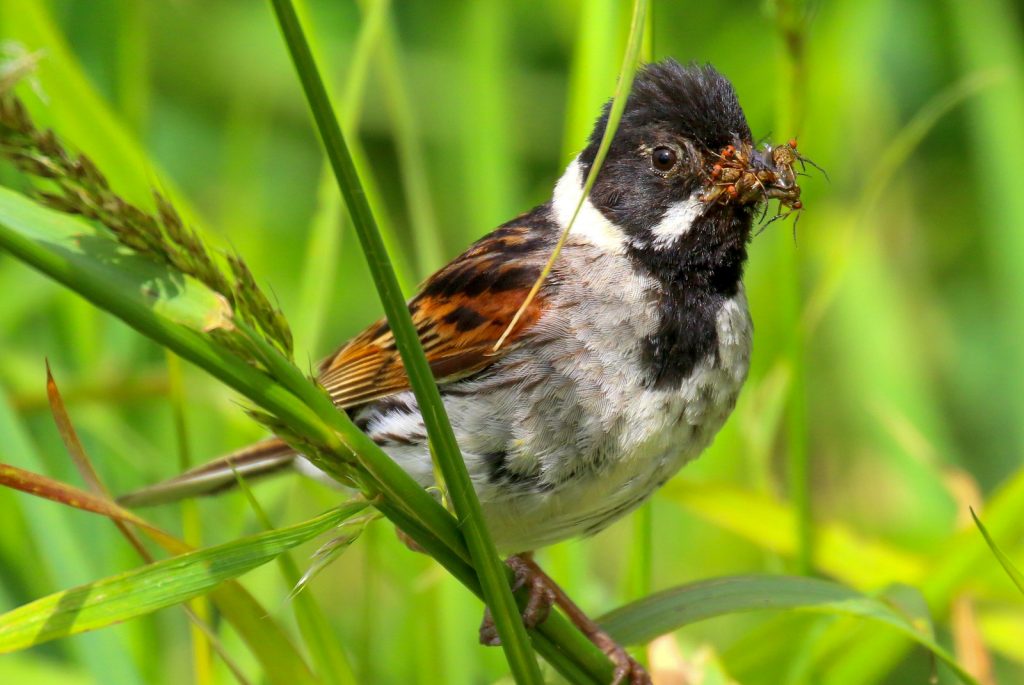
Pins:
x,y
654,182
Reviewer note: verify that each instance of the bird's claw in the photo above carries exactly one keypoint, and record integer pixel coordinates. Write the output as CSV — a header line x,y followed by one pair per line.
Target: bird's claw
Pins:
x,y
541,597
628,670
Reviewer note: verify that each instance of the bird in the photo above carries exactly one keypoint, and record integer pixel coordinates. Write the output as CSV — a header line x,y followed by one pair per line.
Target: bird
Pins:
x,y
619,371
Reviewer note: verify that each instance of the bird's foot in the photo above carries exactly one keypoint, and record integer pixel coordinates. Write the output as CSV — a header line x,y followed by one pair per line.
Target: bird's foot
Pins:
x,y
543,594
538,604
627,669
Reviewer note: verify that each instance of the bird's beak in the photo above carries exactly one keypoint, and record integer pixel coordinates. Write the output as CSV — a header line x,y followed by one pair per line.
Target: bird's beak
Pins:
x,y
780,179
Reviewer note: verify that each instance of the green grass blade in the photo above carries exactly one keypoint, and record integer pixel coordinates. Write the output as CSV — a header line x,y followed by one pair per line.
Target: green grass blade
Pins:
x,y
63,558
265,638
147,589
593,70
411,156
489,567
332,664
1011,570
625,83
668,610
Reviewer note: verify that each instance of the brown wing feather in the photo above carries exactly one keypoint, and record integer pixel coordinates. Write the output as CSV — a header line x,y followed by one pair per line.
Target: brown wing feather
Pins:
x,y
460,313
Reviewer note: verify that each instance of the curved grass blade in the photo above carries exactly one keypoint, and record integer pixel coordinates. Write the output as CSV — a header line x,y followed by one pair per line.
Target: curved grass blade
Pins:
x,y
281,662
88,473
147,589
331,663
490,570
1011,570
622,88
666,611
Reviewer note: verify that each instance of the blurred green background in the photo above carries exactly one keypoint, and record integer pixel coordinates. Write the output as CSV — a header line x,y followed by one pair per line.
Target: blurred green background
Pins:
x,y
888,354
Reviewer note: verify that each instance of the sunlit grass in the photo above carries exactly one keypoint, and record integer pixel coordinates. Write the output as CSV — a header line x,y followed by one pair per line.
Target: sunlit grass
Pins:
x,y
911,365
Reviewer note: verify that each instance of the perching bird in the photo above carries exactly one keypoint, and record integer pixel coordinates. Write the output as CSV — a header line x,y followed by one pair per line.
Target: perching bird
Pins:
x,y
624,366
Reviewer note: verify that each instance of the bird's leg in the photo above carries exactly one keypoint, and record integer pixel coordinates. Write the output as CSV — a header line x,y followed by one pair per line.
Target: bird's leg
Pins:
x,y
539,600
544,592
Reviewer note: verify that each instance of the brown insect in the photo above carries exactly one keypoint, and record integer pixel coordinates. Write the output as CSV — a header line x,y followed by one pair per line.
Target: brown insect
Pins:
x,y
745,174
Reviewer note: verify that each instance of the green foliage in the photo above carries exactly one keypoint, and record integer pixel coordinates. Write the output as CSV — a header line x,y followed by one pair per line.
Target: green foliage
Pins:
x,y
142,591
883,399
1011,570
646,619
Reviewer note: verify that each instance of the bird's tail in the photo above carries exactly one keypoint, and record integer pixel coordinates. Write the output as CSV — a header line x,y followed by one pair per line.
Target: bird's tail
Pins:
x,y
260,459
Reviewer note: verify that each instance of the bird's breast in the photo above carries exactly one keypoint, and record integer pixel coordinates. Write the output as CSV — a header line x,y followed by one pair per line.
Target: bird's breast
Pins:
x,y
595,434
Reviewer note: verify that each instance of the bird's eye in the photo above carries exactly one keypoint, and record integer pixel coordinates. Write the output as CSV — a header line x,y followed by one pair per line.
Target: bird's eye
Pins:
x,y
664,159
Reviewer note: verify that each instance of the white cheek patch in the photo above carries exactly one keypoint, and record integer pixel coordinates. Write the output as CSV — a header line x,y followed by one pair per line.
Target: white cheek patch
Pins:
x,y
677,222
590,224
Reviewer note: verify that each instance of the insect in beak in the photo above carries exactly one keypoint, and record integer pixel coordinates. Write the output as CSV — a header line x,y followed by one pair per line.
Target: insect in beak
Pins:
x,y
741,174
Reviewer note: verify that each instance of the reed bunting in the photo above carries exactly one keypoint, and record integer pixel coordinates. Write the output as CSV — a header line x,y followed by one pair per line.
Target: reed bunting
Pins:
x,y
624,366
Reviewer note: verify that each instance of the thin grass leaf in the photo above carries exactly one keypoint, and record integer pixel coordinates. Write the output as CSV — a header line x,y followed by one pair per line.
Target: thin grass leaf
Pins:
x,y
85,468
329,223
147,589
76,451
629,64
329,552
671,609
1011,570
62,493
331,662
69,435
490,570
426,233
59,557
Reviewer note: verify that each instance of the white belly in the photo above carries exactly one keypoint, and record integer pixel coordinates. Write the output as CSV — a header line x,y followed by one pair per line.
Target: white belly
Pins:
x,y
662,431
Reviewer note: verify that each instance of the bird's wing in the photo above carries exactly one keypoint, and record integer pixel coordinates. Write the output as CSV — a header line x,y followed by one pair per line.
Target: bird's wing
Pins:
x,y
460,314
